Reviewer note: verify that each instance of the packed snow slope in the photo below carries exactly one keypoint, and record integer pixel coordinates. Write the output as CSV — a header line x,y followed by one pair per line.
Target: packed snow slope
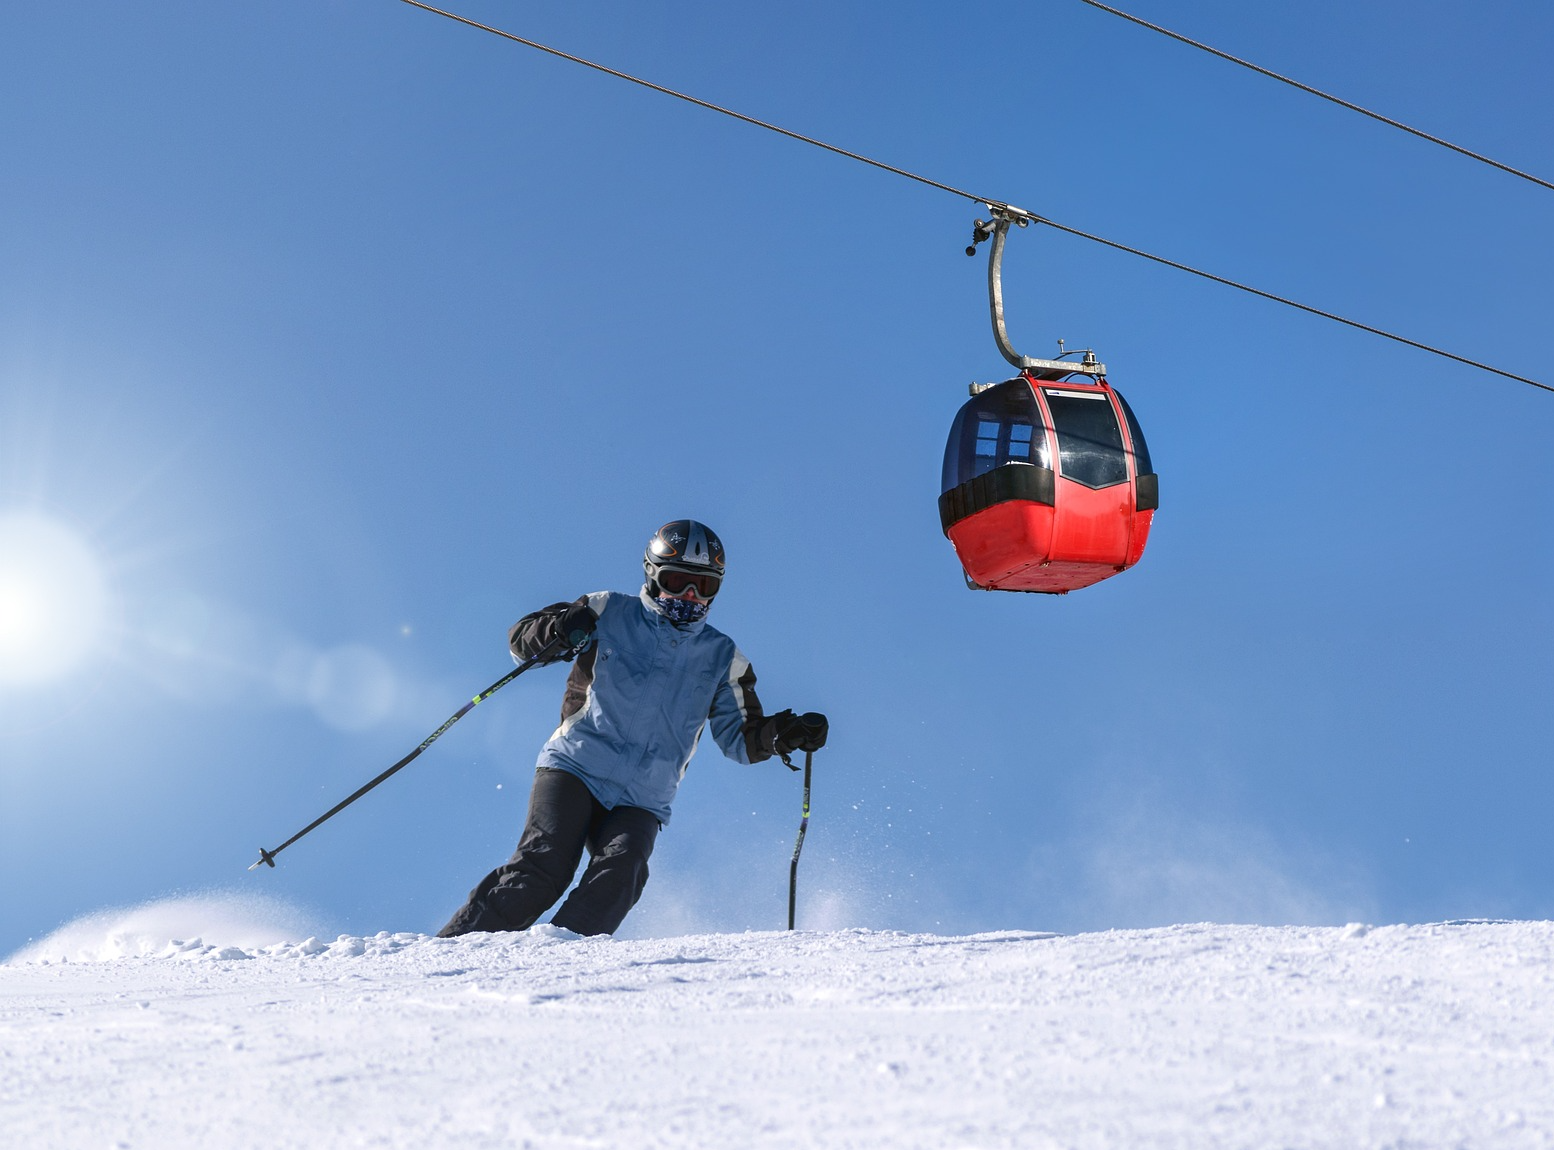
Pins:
x,y
1191,1036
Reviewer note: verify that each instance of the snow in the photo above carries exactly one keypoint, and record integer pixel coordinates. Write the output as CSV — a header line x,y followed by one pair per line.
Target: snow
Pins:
x,y
1187,1036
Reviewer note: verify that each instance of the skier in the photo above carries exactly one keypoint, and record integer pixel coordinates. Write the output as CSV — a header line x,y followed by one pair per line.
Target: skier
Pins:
x,y
648,673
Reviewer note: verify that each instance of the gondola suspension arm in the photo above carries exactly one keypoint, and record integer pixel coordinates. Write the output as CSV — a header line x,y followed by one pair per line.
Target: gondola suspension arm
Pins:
x,y
997,229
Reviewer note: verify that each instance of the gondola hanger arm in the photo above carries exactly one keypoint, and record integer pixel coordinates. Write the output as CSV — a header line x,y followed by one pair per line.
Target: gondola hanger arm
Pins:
x,y
997,229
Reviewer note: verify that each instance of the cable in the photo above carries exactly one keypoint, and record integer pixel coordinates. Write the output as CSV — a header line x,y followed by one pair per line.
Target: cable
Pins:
x,y
992,203
1318,92
1293,303
699,103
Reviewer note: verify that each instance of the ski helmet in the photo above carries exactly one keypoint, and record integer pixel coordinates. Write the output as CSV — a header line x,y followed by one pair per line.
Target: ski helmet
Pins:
x,y
687,554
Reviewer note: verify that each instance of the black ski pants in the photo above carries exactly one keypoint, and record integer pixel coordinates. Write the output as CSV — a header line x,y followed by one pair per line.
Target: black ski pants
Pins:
x,y
564,818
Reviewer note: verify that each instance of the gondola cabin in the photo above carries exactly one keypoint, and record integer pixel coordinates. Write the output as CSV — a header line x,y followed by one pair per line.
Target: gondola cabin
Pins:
x,y
1047,485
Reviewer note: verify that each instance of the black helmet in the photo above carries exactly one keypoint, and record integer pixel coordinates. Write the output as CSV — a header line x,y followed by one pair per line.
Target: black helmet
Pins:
x,y
689,554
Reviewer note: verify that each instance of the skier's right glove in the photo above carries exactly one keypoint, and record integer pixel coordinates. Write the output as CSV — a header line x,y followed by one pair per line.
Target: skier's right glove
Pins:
x,y
553,634
576,629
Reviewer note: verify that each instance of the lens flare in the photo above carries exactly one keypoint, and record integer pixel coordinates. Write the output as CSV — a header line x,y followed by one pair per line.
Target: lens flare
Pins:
x,y
53,599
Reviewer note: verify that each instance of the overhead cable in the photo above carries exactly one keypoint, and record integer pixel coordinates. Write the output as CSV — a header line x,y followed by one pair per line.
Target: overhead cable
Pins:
x,y
1318,92
993,203
1294,303
693,100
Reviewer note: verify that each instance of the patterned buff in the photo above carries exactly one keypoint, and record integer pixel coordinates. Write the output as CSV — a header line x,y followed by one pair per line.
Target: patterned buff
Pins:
x,y
681,610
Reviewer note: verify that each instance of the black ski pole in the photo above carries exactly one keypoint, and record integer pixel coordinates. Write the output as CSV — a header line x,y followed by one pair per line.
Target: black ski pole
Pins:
x,y
793,869
268,857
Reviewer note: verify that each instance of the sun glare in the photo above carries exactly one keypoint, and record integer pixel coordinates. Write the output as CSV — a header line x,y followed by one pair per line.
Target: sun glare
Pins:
x,y
53,598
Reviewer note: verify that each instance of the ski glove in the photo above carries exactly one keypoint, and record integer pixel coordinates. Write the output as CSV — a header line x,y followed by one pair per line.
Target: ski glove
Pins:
x,y
576,628
553,634
788,732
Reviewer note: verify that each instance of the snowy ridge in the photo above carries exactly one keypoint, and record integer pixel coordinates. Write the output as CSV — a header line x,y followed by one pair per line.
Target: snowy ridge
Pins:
x,y
172,926
1187,1036
119,944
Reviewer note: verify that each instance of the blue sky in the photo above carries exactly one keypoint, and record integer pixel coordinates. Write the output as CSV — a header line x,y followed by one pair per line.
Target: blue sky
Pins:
x,y
338,336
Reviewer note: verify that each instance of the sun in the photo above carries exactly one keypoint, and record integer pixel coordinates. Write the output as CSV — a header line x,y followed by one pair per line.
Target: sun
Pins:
x,y
53,599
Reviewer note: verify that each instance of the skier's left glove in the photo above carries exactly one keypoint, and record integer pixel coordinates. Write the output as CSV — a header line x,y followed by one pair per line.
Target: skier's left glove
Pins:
x,y
789,732
816,728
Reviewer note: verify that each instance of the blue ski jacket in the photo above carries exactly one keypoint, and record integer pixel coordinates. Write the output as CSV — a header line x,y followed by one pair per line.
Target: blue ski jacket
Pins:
x,y
638,698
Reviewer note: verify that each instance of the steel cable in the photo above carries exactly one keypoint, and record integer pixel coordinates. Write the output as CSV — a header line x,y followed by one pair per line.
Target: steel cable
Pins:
x,y
994,203
1318,92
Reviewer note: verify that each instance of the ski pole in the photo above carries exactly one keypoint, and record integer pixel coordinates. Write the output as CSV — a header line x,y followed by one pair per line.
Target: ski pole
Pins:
x,y
793,869
268,857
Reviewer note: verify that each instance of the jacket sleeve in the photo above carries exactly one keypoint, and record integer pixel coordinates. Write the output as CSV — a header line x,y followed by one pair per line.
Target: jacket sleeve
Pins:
x,y
538,630
736,717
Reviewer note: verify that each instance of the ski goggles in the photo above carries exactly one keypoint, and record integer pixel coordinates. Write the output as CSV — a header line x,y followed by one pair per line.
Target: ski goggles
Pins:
x,y
675,582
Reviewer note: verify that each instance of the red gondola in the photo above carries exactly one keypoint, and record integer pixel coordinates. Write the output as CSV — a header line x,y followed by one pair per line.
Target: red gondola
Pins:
x,y
1047,483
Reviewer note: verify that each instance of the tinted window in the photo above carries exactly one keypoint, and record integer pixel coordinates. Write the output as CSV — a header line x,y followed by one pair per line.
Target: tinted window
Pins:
x,y
1140,448
1020,435
987,438
1089,439
1002,425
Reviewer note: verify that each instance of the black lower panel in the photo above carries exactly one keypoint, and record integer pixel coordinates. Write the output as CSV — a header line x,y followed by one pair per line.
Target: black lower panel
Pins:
x,y
1000,485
